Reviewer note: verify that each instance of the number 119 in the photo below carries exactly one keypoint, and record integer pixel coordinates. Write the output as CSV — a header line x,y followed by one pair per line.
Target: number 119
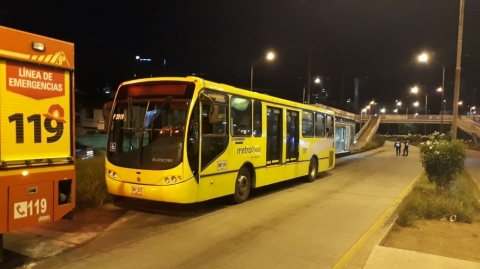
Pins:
x,y
37,129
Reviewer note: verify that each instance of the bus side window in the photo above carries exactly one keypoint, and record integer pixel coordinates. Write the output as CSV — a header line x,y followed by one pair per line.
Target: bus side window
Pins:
x,y
329,125
319,125
241,114
307,124
257,118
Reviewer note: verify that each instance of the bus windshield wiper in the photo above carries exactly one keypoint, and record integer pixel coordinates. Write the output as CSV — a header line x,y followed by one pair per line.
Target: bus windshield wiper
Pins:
x,y
160,108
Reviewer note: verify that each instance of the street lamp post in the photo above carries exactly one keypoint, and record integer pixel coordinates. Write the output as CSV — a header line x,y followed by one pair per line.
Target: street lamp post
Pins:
x,y
443,105
456,90
317,81
270,56
424,58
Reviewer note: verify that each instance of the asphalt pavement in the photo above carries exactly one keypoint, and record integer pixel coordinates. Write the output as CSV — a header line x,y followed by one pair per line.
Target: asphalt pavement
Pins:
x,y
288,225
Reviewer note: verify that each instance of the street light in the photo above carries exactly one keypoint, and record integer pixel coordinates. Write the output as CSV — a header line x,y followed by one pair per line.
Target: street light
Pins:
x,y
424,59
316,81
348,101
382,110
270,56
416,91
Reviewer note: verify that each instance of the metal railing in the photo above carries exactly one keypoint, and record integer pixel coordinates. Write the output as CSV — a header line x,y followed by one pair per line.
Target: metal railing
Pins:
x,y
362,129
469,126
374,130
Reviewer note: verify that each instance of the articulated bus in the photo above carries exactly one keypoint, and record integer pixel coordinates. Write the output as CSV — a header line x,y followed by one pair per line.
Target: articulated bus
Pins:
x,y
37,170
186,140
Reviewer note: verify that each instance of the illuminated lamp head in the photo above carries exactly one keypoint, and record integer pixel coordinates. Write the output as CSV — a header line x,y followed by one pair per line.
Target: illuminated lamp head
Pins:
x,y
240,104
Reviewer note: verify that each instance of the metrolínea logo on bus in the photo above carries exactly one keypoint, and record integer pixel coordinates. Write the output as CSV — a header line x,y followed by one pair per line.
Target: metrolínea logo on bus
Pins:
x,y
248,150
35,82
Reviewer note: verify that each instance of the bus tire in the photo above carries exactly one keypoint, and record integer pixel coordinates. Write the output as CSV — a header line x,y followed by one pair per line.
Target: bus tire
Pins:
x,y
243,185
312,170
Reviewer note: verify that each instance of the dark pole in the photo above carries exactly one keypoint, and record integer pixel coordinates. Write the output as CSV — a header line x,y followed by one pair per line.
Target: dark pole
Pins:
x,y
309,71
442,107
458,69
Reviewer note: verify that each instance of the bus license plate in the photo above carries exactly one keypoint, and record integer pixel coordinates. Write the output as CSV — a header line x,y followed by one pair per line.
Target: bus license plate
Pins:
x,y
137,190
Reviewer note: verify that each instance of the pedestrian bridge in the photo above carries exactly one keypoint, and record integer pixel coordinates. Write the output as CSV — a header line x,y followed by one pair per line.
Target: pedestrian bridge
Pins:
x,y
467,123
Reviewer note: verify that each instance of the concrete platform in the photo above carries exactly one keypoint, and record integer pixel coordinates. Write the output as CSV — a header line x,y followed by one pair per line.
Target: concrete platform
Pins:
x,y
394,258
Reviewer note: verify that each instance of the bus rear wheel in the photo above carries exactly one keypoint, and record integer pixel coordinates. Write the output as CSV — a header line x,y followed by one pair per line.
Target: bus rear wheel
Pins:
x,y
243,184
312,170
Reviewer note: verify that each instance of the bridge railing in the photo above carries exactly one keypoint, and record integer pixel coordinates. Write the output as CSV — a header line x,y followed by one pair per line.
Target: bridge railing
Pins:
x,y
362,129
394,117
374,130
468,125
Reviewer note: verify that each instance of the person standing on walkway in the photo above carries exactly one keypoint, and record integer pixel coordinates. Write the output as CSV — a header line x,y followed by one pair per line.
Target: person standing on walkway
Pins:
x,y
405,149
398,147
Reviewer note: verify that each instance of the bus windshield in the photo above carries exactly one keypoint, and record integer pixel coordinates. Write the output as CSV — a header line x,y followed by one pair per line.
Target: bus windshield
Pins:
x,y
148,133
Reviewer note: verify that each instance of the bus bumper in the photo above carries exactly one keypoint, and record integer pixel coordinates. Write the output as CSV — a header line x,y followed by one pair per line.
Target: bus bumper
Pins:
x,y
181,193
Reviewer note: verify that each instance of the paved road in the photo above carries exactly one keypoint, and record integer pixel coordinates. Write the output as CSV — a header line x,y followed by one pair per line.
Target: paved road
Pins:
x,y
292,225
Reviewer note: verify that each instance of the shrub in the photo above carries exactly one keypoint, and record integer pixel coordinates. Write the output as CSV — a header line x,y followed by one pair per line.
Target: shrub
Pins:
x,y
91,186
442,160
379,139
425,203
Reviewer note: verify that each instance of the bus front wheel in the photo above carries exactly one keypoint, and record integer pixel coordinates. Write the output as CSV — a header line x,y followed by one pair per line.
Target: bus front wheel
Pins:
x,y
243,184
312,170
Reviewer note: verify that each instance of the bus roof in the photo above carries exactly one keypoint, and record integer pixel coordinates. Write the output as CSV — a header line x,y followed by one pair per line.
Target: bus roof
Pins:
x,y
234,90
29,47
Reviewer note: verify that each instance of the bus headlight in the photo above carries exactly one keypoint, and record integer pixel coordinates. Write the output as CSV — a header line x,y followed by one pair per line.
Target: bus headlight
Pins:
x,y
111,173
167,180
174,179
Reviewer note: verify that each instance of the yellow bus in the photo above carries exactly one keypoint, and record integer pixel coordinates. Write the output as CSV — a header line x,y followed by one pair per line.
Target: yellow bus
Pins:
x,y
186,140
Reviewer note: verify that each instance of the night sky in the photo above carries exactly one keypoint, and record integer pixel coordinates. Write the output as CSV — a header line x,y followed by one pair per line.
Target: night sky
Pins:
x,y
374,39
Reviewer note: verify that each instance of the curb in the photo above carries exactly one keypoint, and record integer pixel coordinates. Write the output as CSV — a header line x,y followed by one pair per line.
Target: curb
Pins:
x,y
358,254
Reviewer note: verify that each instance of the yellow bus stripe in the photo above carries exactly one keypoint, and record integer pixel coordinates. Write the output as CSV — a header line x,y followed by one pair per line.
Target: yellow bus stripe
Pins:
x,y
34,57
14,54
40,59
47,59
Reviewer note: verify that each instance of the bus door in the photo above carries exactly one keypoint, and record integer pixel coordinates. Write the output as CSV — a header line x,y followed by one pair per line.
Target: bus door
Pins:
x,y
214,138
274,136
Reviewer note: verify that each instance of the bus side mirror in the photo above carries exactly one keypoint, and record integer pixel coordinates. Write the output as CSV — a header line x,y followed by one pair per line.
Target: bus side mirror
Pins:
x,y
213,112
107,109
213,115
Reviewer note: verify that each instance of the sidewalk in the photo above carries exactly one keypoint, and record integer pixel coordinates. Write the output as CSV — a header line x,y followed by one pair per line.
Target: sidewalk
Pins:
x,y
393,258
